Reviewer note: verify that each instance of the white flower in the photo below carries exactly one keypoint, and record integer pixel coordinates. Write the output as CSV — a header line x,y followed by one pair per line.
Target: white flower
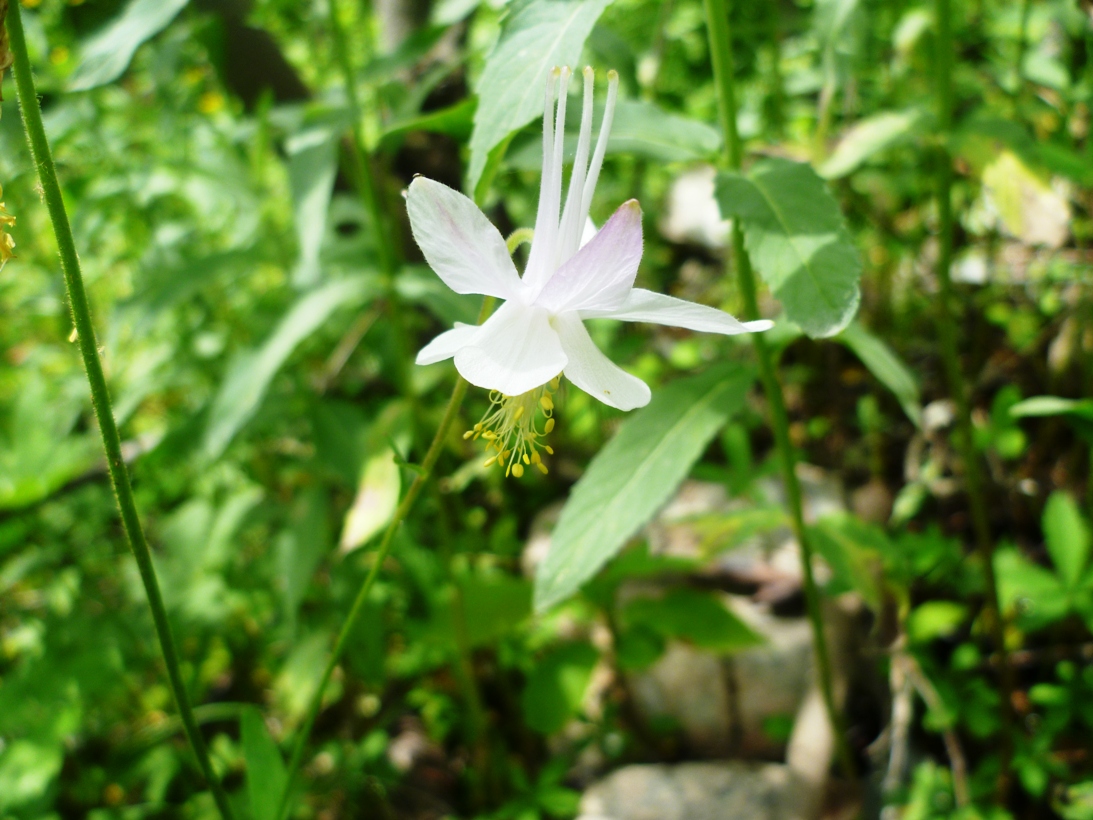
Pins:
x,y
539,333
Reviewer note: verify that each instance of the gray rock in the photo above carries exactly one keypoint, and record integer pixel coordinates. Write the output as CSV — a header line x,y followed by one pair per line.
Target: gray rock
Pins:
x,y
697,791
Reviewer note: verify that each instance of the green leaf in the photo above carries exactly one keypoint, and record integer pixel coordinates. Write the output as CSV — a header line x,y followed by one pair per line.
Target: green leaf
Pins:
x,y
635,474
1067,537
853,550
456,121
797,240
375,502
871,136
251,372
1032,591
106,55
556,687
493,605
889,369
265,767
935,619
312,166
1039,406
695,616
536,36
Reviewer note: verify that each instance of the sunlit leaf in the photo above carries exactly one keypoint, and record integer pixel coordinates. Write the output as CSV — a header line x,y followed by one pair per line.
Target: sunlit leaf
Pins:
x,y
536,36
375,503
871,136
106,55
635,474
1067,536
797,240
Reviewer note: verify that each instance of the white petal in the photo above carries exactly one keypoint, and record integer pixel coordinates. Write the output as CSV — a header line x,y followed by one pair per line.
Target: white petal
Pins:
x,y
647,306
600,274
515,351
447,344
589,232
593,372
459,242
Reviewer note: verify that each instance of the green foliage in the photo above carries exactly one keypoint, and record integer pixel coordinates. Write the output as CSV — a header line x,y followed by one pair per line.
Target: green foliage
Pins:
x,y
634,475
798,242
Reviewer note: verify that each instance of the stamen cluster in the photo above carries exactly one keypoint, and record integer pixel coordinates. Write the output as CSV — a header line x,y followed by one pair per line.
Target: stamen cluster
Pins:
x,y
511,431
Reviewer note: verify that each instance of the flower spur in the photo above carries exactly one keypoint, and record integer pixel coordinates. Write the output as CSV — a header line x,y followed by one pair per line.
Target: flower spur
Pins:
x,y
539,333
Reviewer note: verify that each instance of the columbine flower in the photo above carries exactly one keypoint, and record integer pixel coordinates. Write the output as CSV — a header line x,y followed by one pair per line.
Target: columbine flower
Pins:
x,y
538,333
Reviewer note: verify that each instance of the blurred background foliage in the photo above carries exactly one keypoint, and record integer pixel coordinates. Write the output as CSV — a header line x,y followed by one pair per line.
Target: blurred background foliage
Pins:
x,y
258,352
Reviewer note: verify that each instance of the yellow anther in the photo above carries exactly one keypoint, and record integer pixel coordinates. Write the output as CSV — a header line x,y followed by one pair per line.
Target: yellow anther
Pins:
x,y
514,426
468,434
548,448
489,461
542,468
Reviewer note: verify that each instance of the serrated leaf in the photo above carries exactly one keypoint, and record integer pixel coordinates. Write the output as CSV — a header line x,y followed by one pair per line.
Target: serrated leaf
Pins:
x,y
883,363
796,238
536,36
265,766
870,136
106,55
635,474
1067,537
251,372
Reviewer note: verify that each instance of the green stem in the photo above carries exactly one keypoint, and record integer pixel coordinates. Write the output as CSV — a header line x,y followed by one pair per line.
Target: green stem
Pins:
x,y
721,54
404,507
948,316
100,396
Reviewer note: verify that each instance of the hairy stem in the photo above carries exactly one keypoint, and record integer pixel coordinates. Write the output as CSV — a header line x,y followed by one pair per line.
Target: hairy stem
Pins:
x,y
717,19
100,395
948,315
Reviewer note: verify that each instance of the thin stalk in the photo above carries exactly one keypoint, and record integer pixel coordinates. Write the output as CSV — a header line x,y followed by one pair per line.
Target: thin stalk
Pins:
x,y
721,53
100,395
364,179
403,510
948,316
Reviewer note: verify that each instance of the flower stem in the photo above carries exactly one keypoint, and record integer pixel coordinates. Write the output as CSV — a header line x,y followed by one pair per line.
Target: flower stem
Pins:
x,y
404,507
947,318
717,18
100,395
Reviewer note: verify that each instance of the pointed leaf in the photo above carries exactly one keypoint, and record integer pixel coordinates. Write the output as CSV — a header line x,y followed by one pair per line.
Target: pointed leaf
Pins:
x,y
265,766
797,240
536,36
635,474
870,136
889,369
377,498
107,54
1067,537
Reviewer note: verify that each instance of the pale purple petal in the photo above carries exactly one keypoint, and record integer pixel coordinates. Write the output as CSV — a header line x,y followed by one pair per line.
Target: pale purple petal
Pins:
x,y
656,308
515,351
593,372
459,242
600,274
447,344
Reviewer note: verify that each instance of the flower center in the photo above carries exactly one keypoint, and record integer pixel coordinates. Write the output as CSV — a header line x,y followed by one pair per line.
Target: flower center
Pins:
x,y
510,430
